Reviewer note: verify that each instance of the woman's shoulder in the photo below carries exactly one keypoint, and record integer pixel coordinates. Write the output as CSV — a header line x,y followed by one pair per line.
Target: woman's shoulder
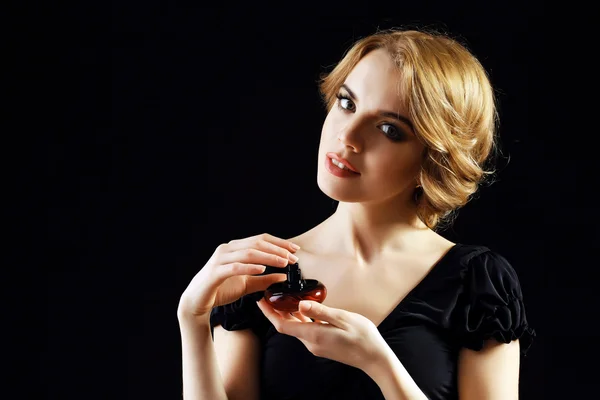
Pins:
x,y
481,266
309,236
474,258
465,252
490,301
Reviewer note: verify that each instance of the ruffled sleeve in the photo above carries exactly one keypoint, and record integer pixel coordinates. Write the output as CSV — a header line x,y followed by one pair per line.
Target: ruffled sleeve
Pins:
x,y
241,314
491,304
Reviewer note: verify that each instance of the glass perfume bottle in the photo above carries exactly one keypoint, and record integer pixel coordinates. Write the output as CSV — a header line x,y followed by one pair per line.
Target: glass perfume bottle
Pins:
x,y
285,296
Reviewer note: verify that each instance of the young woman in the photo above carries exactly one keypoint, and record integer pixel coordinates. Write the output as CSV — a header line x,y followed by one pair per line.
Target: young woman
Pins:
x,y
407,140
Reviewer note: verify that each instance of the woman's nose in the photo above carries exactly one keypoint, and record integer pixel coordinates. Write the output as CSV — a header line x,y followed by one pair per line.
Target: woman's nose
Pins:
x,y
350,136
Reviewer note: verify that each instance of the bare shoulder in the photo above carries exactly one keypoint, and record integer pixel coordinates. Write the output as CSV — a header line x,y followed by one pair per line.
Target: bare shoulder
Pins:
x,y
306,239
441,244
303,240
436,239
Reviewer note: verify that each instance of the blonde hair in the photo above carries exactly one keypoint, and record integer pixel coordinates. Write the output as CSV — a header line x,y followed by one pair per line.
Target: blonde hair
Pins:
x,y
451,104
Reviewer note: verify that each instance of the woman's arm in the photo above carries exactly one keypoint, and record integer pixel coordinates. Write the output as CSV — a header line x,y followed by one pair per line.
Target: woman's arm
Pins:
x,y
201,376
393,379
491,373
238,354
224,368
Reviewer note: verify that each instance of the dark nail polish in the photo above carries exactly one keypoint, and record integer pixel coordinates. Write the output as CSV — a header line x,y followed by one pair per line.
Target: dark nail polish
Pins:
x,y
285,296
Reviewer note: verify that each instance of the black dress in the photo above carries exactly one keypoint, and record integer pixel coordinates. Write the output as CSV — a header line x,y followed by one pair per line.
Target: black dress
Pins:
x,y
471,294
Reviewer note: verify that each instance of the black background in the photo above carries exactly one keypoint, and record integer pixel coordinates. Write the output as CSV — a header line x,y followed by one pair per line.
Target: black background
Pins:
x,y
165,129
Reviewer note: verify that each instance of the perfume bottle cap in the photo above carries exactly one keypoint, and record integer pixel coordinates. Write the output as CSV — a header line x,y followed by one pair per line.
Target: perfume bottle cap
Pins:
x,y
294,277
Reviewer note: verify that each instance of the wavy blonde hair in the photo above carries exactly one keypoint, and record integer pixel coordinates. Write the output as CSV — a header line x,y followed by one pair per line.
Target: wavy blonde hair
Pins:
x,y
452,106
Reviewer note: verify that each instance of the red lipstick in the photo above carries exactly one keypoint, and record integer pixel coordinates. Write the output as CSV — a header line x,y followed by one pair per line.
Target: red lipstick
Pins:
x,y
343,161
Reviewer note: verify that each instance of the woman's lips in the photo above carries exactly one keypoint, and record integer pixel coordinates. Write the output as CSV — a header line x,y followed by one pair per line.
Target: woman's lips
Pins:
x,y
337,171
343,161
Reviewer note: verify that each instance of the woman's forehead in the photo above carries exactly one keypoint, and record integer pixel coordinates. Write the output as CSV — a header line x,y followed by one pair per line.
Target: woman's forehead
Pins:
x,y
375,81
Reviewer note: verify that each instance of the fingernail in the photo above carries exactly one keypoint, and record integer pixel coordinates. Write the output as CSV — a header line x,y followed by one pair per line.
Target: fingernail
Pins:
x,y
295,246
293,258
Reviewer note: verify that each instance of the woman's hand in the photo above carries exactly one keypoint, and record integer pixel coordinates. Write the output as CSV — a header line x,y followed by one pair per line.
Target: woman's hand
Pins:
x,y
230,273
336,334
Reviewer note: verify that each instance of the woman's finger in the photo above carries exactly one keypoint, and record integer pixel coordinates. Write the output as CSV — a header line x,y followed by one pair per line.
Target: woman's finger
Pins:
x,y
316,310
260,283
256,256
299,316
220,273
266,241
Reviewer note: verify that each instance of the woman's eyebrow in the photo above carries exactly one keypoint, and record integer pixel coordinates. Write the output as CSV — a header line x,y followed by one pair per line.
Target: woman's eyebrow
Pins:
x,y
390,114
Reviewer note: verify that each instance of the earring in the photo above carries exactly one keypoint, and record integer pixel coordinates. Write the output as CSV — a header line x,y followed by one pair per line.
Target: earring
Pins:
x,y
418,192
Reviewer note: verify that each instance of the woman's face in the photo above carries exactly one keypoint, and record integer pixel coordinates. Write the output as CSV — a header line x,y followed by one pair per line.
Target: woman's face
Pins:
x,y
369,127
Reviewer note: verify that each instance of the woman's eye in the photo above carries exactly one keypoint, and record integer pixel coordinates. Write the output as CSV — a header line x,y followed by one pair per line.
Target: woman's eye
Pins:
x,y
391,131
346,104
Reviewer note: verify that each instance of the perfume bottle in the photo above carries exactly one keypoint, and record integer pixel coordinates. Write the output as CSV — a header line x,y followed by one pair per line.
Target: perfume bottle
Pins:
x,y
285,296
